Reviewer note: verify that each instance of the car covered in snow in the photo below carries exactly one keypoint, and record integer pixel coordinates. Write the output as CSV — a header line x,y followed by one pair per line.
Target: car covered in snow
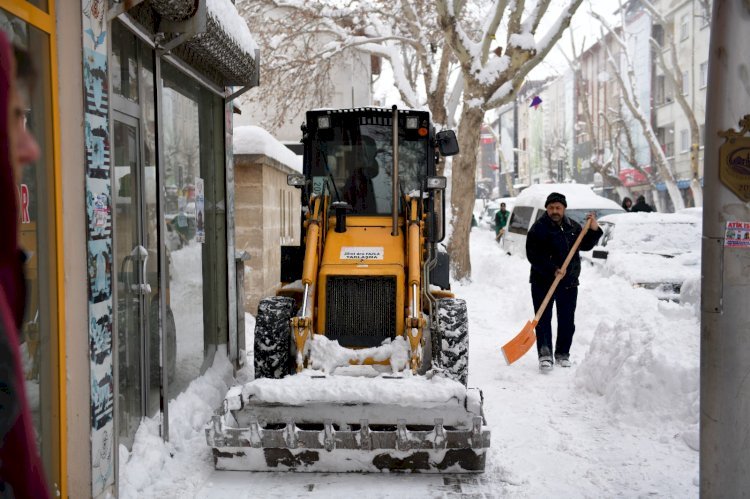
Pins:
x,y
529,206
656,251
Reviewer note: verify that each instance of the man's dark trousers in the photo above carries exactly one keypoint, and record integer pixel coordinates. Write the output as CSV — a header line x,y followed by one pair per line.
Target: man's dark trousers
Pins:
x,y
564,300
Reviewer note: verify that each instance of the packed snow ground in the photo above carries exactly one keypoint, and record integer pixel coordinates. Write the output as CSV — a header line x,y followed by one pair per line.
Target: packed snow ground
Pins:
x,y
621,422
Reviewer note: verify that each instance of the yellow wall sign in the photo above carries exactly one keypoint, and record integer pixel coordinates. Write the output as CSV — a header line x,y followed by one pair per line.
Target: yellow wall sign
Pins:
x,y
734,160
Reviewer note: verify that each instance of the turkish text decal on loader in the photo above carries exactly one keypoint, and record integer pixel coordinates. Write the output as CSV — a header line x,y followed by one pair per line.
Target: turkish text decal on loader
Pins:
x,y
361,360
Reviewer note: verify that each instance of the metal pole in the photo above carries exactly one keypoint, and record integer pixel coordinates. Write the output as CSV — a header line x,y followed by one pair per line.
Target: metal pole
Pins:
x,y
162,255
725,286
394,126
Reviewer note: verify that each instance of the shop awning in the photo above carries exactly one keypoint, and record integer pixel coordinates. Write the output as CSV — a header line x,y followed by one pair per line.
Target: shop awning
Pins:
x,y
225,51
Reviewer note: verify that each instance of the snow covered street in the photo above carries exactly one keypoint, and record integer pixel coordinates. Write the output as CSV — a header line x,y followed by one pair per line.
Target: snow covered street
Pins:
x,y
621,422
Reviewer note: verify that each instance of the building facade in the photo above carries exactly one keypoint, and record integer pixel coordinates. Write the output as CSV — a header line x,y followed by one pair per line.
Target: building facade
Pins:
x,y
127,216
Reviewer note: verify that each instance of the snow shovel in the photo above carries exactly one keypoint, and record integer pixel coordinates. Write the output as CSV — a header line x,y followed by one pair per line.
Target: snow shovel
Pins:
x,y
522,342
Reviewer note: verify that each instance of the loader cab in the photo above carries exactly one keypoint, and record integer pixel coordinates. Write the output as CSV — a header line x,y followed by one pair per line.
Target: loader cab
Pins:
x,y
349,155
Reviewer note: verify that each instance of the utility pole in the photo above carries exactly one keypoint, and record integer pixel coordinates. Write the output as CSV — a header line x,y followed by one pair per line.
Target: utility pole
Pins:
x,y
725,286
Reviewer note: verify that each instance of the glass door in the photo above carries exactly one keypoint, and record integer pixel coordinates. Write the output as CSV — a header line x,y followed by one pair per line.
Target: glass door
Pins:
x,y
130,260
136,264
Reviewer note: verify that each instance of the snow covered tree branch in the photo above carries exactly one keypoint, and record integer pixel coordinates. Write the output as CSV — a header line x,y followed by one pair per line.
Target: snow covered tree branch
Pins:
x,y
307,40
490,79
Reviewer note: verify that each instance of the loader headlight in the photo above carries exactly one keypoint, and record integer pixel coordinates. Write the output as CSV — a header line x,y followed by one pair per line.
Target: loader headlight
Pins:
x,y
295,180
324,122
436,183
412,122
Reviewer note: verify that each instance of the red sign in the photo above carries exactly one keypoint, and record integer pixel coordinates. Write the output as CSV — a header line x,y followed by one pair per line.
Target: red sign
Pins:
x,y
24,199
630,176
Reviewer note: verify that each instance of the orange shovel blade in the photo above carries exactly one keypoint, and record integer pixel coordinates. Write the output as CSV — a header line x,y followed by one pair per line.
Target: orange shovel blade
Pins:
x,y
520,344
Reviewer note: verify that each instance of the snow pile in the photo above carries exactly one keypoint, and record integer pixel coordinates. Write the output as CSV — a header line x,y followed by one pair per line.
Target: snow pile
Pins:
x,y
690,294
153,467
645,367
326,355
312,386
252,139
663,233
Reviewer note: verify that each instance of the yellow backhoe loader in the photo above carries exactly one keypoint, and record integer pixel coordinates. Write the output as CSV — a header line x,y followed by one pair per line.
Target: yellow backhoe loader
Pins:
x,y
361,359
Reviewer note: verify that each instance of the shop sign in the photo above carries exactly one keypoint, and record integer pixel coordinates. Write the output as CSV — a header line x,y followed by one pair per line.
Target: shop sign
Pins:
x,y
23,199
362,253
737,235
734,160
631,177
200,225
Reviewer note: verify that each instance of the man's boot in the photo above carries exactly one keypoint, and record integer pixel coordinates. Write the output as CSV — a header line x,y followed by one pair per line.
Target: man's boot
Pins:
x,y
545,360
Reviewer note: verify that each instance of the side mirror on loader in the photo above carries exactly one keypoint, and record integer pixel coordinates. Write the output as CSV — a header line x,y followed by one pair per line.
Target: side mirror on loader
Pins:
x,y
447,142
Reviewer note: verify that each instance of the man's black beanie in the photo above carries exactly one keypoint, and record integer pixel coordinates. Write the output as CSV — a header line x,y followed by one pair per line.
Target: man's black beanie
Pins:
x,y
556,197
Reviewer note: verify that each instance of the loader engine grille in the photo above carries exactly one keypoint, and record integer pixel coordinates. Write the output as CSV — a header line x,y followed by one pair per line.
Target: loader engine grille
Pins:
x,y
360,311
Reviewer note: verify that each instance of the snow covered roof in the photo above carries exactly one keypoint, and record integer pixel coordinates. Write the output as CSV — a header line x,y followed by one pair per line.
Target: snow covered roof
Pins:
x,y
253,139
224,52
578,196
233,23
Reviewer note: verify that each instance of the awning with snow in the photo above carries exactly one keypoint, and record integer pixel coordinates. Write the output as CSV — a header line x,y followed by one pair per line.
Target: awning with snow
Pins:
x,y
222,49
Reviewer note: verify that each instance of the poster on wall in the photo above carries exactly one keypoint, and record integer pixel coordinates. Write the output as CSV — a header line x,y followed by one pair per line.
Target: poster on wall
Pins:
x,y
200,226
99,245
737,235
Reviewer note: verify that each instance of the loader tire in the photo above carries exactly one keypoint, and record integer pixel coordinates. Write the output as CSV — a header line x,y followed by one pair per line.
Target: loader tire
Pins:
x,y
273,337
453,325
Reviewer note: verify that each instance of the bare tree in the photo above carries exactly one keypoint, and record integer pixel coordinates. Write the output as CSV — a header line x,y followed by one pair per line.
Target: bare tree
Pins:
x,y
305,41
673,73
490,79
627,81
412,36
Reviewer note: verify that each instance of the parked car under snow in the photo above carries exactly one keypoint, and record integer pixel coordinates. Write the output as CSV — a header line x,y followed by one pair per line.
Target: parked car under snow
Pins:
x,y
656,251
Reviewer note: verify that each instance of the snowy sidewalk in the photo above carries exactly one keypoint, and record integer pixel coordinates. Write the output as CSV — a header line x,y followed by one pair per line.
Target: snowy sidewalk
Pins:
x,y
620,422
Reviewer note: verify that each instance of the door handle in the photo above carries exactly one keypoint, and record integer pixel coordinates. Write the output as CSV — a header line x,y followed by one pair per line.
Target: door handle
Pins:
x,y
141,253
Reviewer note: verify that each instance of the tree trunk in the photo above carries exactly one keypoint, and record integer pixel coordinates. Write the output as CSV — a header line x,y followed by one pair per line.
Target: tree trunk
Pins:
x,y
463,189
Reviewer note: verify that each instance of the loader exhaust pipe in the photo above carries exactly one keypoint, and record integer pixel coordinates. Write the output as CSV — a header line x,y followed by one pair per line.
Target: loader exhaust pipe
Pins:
x,y
394,231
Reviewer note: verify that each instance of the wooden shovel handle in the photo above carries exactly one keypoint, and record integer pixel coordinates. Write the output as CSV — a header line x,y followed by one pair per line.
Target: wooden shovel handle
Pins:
x,y
552,288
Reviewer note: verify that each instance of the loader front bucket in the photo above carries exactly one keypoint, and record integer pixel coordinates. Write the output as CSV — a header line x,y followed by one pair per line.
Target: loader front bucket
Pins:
x,y
343,424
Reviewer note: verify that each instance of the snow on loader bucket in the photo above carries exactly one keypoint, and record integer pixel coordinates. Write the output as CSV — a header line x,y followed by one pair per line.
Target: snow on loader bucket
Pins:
x,y
299,423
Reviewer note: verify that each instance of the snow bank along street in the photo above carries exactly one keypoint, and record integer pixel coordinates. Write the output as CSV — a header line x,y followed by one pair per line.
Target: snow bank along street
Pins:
x,y
621,422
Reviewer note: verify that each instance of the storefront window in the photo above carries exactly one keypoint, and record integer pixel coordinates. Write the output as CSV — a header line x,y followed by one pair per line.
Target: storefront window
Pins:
x,y
34,182
193,162
124,63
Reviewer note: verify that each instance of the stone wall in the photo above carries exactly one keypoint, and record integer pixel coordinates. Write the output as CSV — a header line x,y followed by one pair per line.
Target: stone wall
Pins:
x,y
267,216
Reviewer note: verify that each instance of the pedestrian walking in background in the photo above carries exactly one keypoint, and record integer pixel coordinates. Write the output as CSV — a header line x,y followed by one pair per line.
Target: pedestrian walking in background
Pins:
x,y
627,204
21,473
501,220
547,245
642,205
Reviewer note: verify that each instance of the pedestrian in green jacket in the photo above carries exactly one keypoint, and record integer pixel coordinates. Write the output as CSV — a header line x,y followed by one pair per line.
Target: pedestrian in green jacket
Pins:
x,y
501,220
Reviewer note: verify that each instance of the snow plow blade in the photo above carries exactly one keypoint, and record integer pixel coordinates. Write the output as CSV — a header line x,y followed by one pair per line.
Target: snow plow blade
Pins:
x,y
427,433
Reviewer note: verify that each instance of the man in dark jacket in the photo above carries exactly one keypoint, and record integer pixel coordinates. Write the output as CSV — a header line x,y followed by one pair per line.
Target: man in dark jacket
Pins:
x,y
547,245
641,205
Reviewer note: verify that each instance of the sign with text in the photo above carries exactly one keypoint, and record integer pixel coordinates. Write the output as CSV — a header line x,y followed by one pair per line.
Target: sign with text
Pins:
x,y
734,160
362,253
737,235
